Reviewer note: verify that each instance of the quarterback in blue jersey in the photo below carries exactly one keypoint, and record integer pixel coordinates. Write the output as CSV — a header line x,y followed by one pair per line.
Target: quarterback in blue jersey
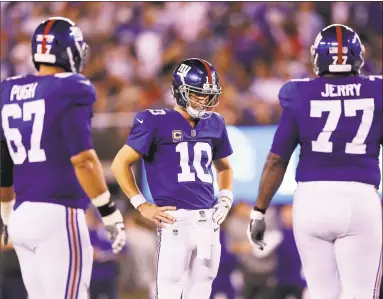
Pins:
x,y
49,169
336,119
178,147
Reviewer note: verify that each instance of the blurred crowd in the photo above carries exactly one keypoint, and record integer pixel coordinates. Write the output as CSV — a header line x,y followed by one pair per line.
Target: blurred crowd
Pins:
x,y
135,47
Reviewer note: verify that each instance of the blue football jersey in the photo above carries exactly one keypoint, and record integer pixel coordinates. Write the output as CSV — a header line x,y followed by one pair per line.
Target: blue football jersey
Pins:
x,y
46,120
178,157
338,123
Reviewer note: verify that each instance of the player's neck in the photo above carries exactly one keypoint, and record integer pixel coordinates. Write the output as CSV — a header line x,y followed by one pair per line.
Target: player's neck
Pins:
x,y
46,70
186,115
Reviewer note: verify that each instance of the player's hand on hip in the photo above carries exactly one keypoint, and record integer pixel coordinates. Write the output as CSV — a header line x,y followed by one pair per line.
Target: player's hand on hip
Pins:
x,y
256,229
117,235
156,214
221,209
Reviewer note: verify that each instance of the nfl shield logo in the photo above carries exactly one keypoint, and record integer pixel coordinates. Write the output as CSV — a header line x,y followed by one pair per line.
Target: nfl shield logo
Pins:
x,y
175,232
202,214
193,133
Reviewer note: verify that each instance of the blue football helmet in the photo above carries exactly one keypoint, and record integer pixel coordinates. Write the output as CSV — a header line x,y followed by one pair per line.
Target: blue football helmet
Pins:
x,y
59,42
196,88
337,49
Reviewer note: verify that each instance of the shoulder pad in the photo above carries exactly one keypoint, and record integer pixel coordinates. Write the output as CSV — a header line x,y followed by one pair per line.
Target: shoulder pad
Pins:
x,y
375,78
219,117
13,78
149,117
288,93
78,88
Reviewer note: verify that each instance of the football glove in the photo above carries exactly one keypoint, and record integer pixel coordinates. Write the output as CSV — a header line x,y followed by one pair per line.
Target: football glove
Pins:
x,y
256,229
117,235
112,219
221,209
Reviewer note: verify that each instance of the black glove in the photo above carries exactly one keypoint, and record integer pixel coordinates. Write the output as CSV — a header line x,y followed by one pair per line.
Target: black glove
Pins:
x,y
257,229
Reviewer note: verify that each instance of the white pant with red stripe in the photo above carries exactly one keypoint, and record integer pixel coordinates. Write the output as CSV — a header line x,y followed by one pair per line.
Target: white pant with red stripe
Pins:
x,y
189,253
53,246
338,232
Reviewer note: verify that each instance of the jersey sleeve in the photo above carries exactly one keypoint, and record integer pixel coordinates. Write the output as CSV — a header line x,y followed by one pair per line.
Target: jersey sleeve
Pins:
x,y
288,95
222,146
80,90
76,119
286,137
141,136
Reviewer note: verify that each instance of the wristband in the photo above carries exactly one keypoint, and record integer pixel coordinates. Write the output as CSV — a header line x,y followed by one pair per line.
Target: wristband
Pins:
x,y
263,211
257,215
104,205
108,209
137,200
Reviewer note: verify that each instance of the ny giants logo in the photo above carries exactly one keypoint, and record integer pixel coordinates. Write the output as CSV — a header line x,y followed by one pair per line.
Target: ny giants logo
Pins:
x,y
182,71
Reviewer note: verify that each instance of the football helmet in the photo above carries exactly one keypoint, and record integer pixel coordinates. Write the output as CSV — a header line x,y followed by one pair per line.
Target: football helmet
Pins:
x,y
195,87
337,49
58,41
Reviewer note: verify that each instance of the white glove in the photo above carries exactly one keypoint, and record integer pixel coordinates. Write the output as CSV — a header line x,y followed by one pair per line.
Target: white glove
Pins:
x,y
116,233
221,209
112,219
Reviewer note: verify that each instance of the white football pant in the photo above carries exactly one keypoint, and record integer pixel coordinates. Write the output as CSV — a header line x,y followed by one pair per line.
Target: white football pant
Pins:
x,y
53,246
189,253
338,232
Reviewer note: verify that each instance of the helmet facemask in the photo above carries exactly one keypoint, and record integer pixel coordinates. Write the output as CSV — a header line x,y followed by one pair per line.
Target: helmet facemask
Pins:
x,y
200,103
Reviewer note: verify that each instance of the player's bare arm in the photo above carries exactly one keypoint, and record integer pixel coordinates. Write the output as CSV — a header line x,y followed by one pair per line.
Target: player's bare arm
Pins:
x,y
90,175
284,143
271,179
225,184
122,170
224,173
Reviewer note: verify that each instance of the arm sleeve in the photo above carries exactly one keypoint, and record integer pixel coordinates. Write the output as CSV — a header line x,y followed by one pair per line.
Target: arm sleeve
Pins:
x,y
286,137
141,135
222,146
6,163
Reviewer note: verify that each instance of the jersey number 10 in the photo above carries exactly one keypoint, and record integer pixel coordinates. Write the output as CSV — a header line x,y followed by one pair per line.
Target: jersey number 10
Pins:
x,y
334,107
36,153
186,175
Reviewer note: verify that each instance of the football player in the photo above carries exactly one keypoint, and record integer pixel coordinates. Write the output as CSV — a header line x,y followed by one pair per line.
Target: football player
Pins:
x,y
178,147
337,215
48,161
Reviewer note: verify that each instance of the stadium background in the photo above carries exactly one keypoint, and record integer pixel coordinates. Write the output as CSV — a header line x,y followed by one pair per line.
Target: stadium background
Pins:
x,y
134,47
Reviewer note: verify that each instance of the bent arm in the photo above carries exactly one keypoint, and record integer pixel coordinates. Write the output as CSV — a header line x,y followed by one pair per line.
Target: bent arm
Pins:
x,y
122,170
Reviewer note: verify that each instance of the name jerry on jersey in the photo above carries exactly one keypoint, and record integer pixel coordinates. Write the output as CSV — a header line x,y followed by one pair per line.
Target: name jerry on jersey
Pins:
x,y
341,90
23,92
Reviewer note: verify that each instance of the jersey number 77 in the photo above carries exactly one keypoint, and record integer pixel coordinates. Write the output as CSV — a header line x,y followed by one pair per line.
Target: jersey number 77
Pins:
x,y
334,107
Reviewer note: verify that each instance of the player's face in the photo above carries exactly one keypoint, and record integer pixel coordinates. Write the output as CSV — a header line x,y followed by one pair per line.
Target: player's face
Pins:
x,y
199,101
